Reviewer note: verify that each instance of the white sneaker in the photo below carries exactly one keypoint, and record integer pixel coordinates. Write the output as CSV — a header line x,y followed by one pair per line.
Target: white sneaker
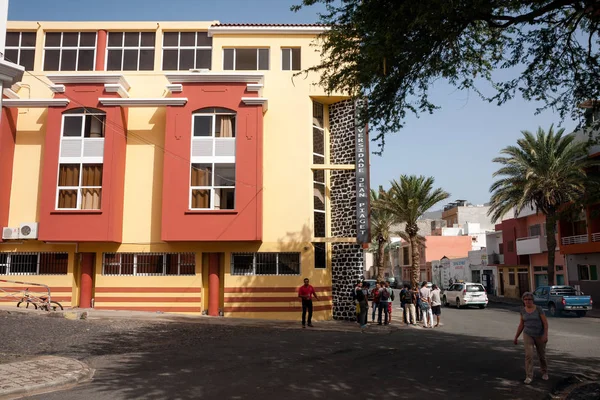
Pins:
x,y
527,381
545,377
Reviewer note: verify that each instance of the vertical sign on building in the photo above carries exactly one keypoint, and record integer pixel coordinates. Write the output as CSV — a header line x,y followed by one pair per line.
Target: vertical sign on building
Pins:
x,y
362,177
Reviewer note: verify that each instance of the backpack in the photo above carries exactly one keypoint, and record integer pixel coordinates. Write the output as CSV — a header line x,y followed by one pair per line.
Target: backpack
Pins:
x,y
385,294
408,298
360,296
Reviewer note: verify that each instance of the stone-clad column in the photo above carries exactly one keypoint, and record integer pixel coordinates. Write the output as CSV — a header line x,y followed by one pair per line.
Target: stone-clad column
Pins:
x,y
347,264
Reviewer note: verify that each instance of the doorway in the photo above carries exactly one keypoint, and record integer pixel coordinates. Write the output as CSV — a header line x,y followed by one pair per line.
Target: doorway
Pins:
x,y
523,282
501,279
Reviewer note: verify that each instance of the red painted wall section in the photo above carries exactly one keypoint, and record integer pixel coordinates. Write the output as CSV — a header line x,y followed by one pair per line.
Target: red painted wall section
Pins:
x,y
511,230
8,130
106,224
243,223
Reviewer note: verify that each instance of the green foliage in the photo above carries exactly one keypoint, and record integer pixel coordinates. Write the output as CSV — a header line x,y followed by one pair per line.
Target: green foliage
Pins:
x,y
545,170
391,51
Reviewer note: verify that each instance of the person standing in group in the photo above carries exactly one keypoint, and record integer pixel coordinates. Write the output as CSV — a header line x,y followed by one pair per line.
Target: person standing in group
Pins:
x,y
419,314
534,326
363,304
375,293
306,292
427,317
391,301
403,304
436,304
409,306
384,298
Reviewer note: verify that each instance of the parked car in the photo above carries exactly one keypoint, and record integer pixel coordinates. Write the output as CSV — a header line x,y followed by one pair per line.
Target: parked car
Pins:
x,y
393,282
465,294
557,299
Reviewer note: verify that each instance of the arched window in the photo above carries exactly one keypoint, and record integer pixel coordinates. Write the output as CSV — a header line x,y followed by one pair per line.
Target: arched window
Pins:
x,y
81,159
212,183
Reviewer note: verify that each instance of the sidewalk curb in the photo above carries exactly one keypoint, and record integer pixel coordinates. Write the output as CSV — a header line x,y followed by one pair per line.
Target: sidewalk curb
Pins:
x,y
84,373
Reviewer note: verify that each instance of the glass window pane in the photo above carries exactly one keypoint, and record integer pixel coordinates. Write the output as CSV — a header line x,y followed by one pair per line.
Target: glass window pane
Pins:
x,y
169,60
201,198
320,255
288,264
319,176
70,39
91,175
201,175
148,39
67,198
319,196
319,224
28,39
245,59
188,39
225,198
225,126
224,174
266,263
12,39
146,60
68,60
242,264
51,60
203,59
285,59
115,39
27,59
94,126
72,126
53,39
87,39
317,159
132,39
85,62
318,114
68,175
203,39
91,198
263,59
114,60
296,59
171,39
130,59
12,55
203,125
186,59
318,141
228,59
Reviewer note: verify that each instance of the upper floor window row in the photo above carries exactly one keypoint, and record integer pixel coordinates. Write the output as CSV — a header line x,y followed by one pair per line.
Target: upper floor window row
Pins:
x,y
70,51
20,48
130,51
186,50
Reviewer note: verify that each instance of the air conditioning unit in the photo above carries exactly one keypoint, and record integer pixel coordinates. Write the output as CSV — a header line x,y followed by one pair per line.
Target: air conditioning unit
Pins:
x,y
10,233
28,230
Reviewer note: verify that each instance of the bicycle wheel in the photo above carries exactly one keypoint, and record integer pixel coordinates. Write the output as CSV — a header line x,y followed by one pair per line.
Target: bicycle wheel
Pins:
x,y
26,304
55,305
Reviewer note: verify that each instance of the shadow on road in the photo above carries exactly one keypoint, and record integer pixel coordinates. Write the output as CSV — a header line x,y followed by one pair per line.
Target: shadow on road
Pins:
x,y
184,361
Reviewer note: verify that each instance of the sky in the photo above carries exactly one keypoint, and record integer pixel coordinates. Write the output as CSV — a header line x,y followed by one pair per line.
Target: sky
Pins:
x,y
455,145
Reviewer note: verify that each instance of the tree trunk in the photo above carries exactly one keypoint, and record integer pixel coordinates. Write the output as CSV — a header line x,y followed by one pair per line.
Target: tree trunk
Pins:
x,y
416,260
380,258
551,244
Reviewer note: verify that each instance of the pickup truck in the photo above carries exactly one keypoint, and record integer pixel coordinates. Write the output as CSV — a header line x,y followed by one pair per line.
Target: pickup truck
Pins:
x,y
562,298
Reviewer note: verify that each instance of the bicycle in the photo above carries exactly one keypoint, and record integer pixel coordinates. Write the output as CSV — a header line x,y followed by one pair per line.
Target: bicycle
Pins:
x,y
38,302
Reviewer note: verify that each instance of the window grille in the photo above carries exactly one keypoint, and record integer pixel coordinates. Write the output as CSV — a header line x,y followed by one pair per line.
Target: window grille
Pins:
x,y
265,264
34,263
149,264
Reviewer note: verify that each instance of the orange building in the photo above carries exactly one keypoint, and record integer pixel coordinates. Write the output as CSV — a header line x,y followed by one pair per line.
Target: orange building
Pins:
x,y
179,167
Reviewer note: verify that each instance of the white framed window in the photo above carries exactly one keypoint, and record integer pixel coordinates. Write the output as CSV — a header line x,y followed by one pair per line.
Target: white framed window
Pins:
x,y
149,264
319,197
81,159
243,59
20,48
186,50
587,272
265,264
290,59
535,230
212,172
70,51
130,51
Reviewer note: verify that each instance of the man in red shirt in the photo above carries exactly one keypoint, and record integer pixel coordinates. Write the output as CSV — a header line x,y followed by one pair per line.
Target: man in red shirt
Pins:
x,y
305,292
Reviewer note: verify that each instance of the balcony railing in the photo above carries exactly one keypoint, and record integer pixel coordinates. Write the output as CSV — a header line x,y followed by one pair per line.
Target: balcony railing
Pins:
x,y
578,239
596,237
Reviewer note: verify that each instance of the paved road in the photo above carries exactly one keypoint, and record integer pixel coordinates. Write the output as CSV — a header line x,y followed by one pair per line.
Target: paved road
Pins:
x,y
470,357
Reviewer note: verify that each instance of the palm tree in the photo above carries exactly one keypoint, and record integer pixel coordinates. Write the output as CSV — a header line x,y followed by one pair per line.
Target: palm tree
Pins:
x,y
381,224
545,170
407,200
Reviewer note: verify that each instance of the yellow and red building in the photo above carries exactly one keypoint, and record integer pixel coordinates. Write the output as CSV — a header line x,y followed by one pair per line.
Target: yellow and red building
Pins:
x,y
179,167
